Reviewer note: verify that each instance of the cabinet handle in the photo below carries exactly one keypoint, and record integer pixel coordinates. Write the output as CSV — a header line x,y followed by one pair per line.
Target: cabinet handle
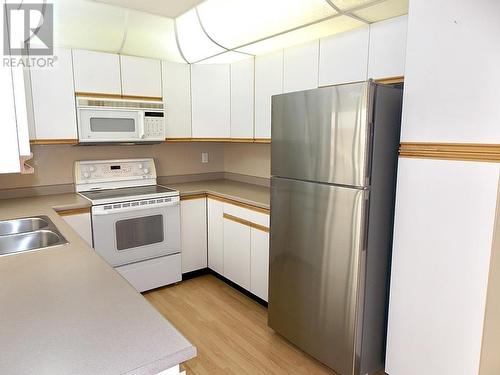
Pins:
x,y
246,222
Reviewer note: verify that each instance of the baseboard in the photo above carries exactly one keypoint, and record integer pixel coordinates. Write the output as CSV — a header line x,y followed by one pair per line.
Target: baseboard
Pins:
x,y
193,274
238,288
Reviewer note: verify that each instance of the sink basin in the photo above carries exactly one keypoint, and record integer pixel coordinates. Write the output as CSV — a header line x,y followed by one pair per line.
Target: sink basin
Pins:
x,y
39,239
28,224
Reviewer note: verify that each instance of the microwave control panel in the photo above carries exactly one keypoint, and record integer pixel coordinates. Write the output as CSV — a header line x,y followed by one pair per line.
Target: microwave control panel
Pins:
x,y
154,126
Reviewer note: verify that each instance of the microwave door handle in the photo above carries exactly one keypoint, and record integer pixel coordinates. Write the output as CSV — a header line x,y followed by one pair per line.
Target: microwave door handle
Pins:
x,y
141,125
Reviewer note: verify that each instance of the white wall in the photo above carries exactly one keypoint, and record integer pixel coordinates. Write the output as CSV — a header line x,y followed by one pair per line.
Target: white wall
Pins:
x,y
445,210
452,77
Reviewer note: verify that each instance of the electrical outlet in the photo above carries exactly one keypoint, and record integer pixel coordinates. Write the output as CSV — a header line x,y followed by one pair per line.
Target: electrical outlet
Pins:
x,y
204,157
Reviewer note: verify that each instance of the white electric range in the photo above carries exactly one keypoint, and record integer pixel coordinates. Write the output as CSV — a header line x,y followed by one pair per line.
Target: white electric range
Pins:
x,y
135,222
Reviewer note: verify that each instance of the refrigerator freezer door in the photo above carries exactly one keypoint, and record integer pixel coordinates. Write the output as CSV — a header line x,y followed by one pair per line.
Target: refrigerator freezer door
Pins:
x,y
315,253
322,134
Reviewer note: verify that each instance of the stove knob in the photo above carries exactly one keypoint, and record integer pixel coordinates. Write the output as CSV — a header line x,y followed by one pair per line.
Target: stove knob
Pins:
x,y
140,166
86,175
92,168
146,171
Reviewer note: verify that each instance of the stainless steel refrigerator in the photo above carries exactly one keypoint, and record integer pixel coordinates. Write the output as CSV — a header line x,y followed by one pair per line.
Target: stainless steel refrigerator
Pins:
x,y
333,163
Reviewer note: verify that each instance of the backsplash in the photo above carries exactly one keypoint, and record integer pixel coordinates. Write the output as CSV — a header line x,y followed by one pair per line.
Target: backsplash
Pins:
x,y
54,163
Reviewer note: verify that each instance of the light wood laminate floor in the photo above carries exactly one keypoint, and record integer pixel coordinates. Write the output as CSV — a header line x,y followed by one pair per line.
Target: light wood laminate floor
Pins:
x,y
229,330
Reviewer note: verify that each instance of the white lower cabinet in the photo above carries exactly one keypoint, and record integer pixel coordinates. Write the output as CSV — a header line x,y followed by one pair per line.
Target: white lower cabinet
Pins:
x,y
237,253
81,223
215,212
194,234
259,263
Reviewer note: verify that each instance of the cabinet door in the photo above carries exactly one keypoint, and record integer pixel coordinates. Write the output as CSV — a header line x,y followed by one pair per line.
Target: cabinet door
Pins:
x,y
268,82
211,101
344,57
177,99
194,234
9,147
140,76
96,72
259,263
237,253
300,67
81,224
53,99
242,96
215,235
387,48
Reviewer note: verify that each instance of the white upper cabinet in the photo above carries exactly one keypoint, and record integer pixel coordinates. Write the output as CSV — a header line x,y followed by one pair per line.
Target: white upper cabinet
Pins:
x,y
53,99
140,76
387,48
242,98
343,58
177,99
211,101
268,82
300,67
97,72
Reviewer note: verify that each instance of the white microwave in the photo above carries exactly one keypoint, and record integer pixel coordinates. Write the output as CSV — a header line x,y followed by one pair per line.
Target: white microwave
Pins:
x,y
102,120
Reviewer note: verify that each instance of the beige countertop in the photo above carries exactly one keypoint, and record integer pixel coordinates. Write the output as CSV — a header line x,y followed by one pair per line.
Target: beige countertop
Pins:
x,y
64,310
255,195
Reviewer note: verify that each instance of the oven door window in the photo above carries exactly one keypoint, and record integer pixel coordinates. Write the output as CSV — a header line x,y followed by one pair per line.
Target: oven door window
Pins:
x,y
140,231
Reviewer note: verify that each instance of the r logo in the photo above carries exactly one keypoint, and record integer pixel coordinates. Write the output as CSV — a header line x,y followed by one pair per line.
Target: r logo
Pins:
x,y
28,29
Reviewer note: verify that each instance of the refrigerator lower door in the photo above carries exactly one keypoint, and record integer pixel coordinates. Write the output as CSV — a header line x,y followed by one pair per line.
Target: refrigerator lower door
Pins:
x,y
322,134
315,252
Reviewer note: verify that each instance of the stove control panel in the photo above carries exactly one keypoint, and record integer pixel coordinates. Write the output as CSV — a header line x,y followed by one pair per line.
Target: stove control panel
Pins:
x,y
114,171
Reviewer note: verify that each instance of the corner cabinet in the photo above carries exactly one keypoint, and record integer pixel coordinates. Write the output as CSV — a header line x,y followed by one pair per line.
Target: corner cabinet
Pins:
x,y
211,101
177,99
53,100
242,99
238,245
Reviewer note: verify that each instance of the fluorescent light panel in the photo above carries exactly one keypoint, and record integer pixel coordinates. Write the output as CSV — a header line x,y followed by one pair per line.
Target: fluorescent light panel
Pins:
x,y
306,34
236,22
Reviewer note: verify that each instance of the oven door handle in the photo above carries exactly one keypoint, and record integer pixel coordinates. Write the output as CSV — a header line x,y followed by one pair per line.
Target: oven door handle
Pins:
x,y
101,212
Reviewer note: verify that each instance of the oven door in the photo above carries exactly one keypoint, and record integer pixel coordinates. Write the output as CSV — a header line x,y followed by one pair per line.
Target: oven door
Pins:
x,y
129,232
110,125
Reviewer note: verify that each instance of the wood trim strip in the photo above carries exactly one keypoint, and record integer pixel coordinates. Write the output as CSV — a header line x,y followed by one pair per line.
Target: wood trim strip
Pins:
x,y
239,204
53,141
390,80
262,140
118,96
246,222
74,211
193,196
451,151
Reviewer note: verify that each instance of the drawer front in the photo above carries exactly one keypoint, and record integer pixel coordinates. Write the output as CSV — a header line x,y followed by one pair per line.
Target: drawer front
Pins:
x,y
247,214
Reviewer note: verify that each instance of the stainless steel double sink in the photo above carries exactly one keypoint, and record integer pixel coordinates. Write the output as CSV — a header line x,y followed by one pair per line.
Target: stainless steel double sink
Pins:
x,y
27,234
